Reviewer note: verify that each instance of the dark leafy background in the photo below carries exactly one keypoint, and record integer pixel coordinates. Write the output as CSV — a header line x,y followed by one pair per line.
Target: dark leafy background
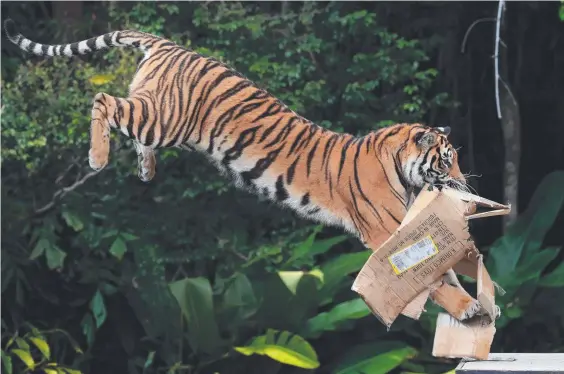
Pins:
x,y
103,273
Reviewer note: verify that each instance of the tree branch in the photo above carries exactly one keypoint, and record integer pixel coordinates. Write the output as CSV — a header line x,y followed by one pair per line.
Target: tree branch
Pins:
x,y
463,46
496,55
57,196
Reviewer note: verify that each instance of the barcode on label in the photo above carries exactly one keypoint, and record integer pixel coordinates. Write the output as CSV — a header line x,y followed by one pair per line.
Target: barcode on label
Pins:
x,y
413,255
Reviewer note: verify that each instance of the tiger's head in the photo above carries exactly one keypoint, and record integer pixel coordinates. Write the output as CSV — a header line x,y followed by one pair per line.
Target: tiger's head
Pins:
x,y
428,157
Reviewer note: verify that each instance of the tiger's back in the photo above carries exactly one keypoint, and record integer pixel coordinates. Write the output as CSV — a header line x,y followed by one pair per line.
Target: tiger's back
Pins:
x,y
179,98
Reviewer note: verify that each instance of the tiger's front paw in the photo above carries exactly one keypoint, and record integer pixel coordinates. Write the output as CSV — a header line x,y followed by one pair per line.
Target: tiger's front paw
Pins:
x,y
98,159
471,309
146,174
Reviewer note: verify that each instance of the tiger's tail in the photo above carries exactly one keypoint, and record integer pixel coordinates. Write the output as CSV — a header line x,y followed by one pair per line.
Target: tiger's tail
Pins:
x,y
126,38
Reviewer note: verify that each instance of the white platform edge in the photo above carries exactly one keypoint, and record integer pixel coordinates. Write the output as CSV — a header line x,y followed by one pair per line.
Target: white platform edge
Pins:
x,y
514,363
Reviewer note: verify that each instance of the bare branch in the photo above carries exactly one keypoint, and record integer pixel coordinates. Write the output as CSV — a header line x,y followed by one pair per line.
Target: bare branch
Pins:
x,y
74,163
496,55
463,46
57,196
509,91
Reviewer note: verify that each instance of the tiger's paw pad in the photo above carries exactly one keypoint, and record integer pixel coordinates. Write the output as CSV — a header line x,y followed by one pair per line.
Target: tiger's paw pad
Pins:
x,y
97,160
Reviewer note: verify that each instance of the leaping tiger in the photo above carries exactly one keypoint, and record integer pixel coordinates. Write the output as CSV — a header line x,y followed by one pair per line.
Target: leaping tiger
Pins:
x,y
179,98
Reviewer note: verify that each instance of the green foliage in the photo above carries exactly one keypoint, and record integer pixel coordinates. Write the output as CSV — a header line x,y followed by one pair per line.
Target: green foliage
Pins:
x,y
517,260
31,352
368,359
282,346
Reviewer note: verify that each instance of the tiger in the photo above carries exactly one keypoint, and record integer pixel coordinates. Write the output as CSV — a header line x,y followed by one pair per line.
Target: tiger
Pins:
x,y
180,98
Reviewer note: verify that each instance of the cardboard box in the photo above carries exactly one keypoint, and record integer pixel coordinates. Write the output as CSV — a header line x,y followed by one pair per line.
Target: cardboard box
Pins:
x,y
407,269
472,339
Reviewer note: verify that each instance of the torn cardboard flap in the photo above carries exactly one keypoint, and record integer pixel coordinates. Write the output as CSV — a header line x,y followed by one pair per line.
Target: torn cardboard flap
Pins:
x,y
420,251
432,238
454,339
456,300
474,202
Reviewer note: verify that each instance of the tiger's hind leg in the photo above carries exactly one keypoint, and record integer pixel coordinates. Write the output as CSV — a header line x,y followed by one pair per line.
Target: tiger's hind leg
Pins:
x,y
103,118
112,112
146,161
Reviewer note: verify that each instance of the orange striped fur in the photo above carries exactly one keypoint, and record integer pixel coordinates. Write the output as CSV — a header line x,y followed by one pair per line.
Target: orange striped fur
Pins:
x,y
179,98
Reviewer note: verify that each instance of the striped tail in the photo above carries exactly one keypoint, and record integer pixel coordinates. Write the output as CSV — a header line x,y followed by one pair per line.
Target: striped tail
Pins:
x,y
135,39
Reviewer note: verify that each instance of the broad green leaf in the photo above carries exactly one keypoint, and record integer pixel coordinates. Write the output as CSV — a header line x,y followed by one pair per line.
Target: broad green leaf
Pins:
x,y
55,257
525,236
240,295
329,321
555,278
98,308
101,79
284,347
321,246
110,233
129,237
360,360
72,220
194,296
7,362
22,344
42,346
536,263
39,249
335,271
25,357
51,371
118,248
276,299
293,278
303,248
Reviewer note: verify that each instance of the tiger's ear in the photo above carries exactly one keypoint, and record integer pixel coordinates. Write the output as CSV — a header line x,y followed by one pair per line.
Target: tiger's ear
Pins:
x,y
445,130
426,140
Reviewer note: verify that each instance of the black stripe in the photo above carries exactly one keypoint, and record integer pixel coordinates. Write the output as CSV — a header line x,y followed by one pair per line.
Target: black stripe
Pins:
x,y
297,140
281,192
74,48
344,155
219,126
360,218
310,156
91,43
131,118
330,143
391,215
359,187
305,142
313,211
283,134
272,109
247,108
108,39
246,138
291,171
305,199
44,49
260,167
269,130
